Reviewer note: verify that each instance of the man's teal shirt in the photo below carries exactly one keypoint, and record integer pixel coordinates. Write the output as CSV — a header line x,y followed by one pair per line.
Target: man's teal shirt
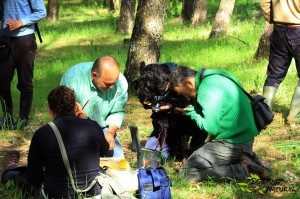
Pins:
x,y
105,107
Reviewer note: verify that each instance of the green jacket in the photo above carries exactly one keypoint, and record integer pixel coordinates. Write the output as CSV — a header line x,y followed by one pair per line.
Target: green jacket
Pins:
x,y
223,109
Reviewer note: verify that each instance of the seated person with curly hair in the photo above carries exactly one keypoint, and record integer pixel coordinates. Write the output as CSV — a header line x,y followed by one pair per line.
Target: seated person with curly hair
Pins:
x,y
84,146
170,128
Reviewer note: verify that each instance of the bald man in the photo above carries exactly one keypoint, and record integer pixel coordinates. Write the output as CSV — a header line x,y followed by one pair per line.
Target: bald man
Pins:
x,y
105,89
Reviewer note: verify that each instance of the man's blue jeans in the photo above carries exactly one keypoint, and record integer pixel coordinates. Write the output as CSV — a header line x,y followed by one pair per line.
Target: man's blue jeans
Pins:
x,y
153,143
117,151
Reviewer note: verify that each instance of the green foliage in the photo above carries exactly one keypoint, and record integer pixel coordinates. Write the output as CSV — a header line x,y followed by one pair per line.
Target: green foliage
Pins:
x,y
96,3
10,191
253,185
174,9
245,10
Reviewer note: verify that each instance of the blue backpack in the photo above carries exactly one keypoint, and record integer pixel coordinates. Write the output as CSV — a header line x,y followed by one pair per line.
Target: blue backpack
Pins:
x,y
154,183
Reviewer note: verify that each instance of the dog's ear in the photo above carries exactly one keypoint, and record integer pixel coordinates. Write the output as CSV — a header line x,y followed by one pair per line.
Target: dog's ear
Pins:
x,y
142,67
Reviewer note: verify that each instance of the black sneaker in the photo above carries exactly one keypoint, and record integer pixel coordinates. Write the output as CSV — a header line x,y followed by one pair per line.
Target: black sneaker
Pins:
x,y
21,123
6,121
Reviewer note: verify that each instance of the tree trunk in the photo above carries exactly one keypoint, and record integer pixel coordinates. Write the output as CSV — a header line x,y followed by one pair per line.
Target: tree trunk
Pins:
x,y
114,5
187,10
105,3
199,12
263,48
125,22
222,19
146,39
52,13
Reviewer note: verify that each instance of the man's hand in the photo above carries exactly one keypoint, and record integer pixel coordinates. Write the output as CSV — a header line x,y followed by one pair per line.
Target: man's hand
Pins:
x,y
79,112
164,107
181,110
111,140
110,136
14,24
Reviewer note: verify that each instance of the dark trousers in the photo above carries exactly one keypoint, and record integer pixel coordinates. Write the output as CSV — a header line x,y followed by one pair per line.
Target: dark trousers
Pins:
x,y
285,45
218,159
21,59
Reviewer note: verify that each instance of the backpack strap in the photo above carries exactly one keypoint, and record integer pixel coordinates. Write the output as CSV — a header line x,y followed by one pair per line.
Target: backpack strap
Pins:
x,y
161,139
155,180
201,77
108,184
66,161
36,25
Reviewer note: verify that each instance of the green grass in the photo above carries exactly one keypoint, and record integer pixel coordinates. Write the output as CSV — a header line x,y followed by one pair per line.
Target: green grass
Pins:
x,y
85,33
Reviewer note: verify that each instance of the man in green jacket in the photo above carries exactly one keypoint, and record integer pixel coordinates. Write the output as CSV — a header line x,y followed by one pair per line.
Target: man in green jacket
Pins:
x,y
222,109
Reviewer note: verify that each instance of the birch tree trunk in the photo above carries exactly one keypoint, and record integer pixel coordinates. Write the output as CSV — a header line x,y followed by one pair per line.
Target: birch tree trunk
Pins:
x,y
263,48
146,39
114,5
199,12
219,28
53,11
125,22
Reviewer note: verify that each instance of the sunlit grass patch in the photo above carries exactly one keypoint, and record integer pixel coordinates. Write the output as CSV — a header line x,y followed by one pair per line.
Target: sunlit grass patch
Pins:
x,y
86,31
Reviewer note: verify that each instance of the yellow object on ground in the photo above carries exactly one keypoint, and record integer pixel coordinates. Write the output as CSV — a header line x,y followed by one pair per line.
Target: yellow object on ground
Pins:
x,y
115,163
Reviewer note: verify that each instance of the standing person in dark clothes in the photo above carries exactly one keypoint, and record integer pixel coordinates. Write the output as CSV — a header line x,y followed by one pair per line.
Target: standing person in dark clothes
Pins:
x,y
84,146
285,45
18,20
